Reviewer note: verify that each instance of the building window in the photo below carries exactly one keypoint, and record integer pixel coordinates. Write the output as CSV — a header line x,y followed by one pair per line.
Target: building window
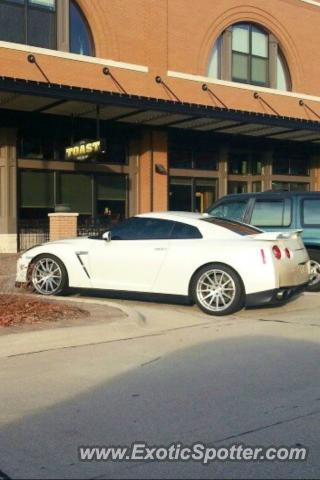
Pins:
x,y
237,187
80,34
286,163
32,22
244,163
192,194
194,152
36,194
243,54
291,186
250,55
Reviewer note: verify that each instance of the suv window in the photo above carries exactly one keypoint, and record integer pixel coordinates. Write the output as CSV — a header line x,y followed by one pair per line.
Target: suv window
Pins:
x,y
272,213
184,231
311,212
137,228
232,209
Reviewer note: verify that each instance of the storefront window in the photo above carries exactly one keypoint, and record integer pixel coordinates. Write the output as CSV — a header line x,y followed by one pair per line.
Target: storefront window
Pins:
x,y
75,190
244,163
32,22
256,187
237,187
36,194
192,194
45,140
206,194
180,196
192,153
291,186
111,196
286,163
36,147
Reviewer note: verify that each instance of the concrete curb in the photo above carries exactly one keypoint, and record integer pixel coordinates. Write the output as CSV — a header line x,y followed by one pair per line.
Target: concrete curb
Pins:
x,y
37,341
134,326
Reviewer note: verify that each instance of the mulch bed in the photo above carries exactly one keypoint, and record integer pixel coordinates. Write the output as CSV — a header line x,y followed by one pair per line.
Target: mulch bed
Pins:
x,y
20,309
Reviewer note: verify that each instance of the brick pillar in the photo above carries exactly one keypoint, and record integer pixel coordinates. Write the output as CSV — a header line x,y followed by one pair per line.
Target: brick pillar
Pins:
x,y
63,225
223,171
8,190
145,173
160,180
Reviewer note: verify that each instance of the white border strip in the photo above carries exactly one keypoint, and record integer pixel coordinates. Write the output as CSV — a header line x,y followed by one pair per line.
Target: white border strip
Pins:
x,y
311,2
73,56
241,86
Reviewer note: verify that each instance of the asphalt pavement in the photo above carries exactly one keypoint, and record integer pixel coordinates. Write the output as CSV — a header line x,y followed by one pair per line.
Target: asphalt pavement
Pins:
x,y
175,375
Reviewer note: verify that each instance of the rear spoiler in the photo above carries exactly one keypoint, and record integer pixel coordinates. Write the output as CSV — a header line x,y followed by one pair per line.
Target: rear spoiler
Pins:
x,y
272,236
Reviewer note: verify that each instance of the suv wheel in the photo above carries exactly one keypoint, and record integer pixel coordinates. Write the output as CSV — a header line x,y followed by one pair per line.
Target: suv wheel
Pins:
x,y
314,284
217,290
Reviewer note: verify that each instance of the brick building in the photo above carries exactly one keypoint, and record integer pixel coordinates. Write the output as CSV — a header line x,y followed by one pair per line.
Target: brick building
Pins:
x,y
116,107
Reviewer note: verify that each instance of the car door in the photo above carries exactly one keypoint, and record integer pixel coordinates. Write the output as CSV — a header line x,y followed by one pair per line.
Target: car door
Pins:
x,y
132,259
184,249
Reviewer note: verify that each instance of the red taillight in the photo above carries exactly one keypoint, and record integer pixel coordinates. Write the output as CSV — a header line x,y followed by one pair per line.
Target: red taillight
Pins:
x,y
287,252
276,252
263,256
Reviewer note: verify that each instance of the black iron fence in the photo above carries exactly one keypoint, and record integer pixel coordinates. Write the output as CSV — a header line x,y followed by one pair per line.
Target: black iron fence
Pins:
x,y
36,231
32,232
95,227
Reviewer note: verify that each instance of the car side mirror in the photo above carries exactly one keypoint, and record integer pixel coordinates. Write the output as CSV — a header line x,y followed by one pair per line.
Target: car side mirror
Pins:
x,y
107,236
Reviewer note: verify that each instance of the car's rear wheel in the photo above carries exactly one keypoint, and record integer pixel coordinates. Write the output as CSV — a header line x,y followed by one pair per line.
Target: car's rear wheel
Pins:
x,y
217,289
48,275
314,284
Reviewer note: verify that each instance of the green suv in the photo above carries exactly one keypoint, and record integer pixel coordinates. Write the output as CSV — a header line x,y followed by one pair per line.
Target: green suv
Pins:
x,y
279,211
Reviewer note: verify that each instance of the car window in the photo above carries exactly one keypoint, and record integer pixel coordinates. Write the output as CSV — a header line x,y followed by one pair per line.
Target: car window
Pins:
x,y
234,209
184,231
311,212
272,213
138,228
236,227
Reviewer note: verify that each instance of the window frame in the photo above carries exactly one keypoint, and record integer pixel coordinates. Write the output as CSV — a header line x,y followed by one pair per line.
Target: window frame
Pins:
x,y
225,58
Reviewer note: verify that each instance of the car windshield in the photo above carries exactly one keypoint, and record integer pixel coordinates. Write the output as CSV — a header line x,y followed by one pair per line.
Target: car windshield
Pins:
x,y
236,227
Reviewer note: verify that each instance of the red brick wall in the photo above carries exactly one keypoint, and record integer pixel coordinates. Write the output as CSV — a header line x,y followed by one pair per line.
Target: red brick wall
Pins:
x,y
178,35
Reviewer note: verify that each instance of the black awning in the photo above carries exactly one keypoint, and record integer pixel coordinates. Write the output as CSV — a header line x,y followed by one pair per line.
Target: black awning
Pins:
x,y
31,96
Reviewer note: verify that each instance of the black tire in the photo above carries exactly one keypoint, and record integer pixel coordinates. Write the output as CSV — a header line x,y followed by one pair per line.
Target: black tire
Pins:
x,y
314,285
227,297
59,285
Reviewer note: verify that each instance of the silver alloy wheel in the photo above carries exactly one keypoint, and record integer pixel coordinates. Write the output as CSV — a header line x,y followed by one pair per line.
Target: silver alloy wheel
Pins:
x,y
315,272
46,276
216,290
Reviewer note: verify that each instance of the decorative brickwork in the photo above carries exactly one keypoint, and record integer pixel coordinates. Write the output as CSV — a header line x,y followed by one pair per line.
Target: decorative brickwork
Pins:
x,y
63,225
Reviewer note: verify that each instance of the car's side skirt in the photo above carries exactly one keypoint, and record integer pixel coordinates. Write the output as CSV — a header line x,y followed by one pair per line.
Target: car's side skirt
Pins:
x,y
129,295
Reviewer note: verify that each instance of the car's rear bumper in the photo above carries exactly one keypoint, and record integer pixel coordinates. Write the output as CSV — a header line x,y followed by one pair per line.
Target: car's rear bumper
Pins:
x,y
275,296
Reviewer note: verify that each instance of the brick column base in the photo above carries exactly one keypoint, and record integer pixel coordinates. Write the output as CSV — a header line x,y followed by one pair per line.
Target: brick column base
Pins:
x,y
63,225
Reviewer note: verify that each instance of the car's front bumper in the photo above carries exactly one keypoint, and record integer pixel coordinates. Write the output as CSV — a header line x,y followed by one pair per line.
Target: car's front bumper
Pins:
x,y
275,296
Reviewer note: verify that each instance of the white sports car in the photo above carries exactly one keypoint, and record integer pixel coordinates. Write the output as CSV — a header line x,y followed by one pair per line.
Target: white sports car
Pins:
x,y
221,265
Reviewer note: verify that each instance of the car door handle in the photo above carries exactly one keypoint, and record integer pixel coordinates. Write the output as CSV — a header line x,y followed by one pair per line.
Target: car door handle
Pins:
x,y
160,249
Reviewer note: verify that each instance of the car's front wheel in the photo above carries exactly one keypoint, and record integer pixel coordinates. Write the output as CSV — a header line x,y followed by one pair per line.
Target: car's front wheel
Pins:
x,y
314,284
48,275
217,289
